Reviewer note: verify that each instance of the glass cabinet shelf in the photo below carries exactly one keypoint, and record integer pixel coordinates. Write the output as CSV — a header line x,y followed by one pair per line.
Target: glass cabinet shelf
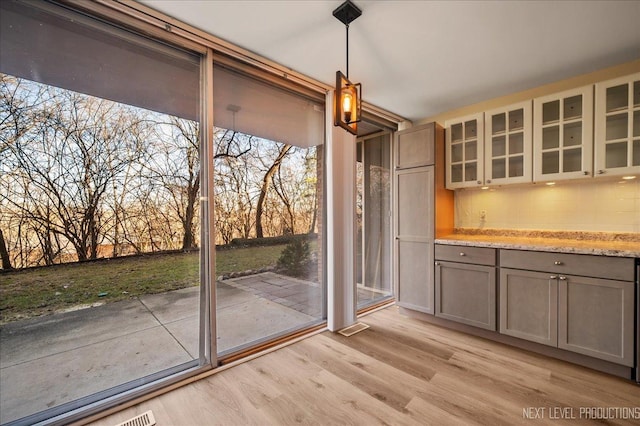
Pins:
x,y
617,126
562,147
508,150
464,152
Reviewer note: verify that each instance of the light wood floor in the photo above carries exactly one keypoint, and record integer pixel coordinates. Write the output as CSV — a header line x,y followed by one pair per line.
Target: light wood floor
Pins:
x,y
400,371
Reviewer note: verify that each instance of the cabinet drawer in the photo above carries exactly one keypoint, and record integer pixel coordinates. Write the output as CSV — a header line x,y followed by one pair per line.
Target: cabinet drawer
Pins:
x,y
617,268
464,254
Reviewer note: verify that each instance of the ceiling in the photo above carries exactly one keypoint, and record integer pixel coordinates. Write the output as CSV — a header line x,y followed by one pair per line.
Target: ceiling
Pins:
x,y
422,58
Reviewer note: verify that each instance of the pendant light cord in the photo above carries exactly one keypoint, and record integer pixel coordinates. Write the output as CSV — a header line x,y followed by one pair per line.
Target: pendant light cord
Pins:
x,y
347,27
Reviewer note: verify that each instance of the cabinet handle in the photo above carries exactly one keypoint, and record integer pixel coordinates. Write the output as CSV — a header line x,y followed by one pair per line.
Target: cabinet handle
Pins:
x,y
600,172
586,172
553,277
488,180
562,278
437,263
557,262
479,182
462,253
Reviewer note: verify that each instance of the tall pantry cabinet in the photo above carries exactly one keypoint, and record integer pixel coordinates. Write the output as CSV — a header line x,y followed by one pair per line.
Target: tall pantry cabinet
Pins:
x,y
423,211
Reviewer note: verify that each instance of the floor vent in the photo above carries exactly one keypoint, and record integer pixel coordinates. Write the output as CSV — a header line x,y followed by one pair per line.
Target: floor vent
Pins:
x,y
144,419
353,329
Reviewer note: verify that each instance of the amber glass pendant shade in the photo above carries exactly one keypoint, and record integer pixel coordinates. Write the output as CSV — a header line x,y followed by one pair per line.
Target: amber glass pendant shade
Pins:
x,y
347,103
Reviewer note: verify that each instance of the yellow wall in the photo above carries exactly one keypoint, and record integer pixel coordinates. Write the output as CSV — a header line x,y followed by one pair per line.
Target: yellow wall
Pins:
x,y
586,205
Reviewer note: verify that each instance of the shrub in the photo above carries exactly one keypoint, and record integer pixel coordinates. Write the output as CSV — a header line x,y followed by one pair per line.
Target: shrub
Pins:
x,y
294,257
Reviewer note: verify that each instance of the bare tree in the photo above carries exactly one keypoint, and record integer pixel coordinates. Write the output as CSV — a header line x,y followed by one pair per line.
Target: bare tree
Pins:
x,y
266,183
67,162
4,253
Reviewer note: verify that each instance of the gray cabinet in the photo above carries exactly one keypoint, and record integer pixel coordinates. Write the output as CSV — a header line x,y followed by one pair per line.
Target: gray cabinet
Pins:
x,y
557,305
415,147
595,318
466,285
414,238
529,305
414,227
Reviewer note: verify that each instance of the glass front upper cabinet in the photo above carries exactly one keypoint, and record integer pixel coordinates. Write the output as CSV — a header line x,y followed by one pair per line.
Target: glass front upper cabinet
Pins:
x,y
562,134
465,152
508,144
617,126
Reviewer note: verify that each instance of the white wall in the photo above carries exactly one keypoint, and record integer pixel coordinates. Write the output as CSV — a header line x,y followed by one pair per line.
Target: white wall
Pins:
x,y
587,205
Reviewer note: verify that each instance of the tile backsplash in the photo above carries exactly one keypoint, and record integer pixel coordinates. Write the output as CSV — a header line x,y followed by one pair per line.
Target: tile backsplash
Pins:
x,y
589,205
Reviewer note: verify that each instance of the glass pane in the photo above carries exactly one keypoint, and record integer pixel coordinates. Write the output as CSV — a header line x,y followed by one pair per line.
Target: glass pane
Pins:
x,y
551,137
573,107
636,123
636,152
498,124
636,93
456,173
456,132
550,162
103,295
470,129
617,97
616,127
470,172
373,208
572,134
498,168
616,155
572,160
550,112
516,166
470,151
516,119
456,153
516,143
269,220
498,146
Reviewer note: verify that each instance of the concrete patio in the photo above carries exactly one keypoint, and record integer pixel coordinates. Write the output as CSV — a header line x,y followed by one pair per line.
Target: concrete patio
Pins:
x,y
51,360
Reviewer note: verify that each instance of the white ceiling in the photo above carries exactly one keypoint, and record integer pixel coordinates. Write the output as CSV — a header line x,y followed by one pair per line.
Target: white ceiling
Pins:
x,y
421,58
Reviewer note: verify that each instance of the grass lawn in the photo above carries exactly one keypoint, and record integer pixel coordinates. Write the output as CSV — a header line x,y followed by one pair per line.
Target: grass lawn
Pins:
x,y
39,291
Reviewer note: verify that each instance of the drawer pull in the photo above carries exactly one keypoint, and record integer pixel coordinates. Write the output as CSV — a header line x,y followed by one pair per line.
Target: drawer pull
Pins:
x,y
557,262
462,253
553,277
437,263
562,278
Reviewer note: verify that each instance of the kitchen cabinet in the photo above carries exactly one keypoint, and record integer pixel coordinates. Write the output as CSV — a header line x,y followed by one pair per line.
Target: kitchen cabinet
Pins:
x,y
508,139
420,202
466,285
563,135
580,303
465,152
617,126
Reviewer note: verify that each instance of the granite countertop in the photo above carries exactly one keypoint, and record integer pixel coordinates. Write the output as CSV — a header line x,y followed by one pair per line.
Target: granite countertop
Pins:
x,y
596,243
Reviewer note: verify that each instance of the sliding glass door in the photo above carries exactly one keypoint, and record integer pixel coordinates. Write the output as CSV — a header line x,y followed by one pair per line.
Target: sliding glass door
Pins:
x,y
99,211
115,186
268,210
373,214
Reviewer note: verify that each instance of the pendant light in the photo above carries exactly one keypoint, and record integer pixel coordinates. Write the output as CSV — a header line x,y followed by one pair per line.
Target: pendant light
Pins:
x,y
347,100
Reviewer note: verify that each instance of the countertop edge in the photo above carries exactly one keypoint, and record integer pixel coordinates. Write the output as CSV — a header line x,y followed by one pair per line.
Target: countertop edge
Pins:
x,y
535,247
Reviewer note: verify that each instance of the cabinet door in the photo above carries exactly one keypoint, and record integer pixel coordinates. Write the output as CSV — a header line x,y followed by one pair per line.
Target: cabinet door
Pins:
x,y
596,318
508,148
414,230
415,146
563,135
529,305
465,152
466,293
617,132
